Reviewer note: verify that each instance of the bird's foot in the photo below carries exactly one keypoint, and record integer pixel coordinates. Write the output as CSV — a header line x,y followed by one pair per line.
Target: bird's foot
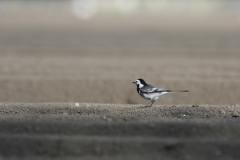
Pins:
x,y
146,106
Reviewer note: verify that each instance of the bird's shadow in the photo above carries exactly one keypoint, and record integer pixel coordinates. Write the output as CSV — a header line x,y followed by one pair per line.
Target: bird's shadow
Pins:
x,y
145,106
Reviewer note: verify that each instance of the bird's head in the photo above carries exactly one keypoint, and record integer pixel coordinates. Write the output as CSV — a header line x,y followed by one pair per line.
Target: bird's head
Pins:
x,y
140,83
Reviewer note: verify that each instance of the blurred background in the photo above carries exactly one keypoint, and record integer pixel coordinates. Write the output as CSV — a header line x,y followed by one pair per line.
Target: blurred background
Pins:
x,y
92,50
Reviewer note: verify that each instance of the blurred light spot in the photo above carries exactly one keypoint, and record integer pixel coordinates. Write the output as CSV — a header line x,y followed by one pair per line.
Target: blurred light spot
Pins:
x,y
76,104
84,9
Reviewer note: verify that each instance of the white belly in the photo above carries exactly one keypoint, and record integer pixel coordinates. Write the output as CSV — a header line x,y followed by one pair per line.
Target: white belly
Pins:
x,y
152,96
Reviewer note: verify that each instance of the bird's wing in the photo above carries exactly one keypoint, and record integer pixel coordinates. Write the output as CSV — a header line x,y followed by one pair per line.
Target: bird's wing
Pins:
x,y
152,89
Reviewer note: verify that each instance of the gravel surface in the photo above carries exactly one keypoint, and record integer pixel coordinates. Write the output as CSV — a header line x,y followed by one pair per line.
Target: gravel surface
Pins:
x,y
112,131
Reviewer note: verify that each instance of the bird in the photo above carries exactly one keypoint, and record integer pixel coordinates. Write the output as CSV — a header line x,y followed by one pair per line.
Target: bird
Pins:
x,y
150,92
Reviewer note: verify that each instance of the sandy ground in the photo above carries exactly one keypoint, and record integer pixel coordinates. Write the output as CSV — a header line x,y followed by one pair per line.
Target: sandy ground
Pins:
x,y
55,57
66,88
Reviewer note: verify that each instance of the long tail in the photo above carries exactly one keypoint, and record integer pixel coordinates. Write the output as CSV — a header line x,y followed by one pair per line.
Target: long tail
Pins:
x,y
179,91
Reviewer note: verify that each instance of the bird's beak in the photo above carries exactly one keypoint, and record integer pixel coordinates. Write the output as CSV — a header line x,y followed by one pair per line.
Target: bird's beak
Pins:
x,y
133,82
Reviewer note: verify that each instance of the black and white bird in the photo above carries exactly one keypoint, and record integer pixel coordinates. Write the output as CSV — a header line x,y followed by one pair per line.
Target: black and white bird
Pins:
x,y
150,92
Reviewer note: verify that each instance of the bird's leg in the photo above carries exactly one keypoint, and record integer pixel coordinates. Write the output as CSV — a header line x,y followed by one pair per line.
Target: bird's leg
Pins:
x,y
152,102
148,103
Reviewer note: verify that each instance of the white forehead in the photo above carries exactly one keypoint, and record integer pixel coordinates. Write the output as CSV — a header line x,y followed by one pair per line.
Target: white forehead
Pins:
x,y
137,81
